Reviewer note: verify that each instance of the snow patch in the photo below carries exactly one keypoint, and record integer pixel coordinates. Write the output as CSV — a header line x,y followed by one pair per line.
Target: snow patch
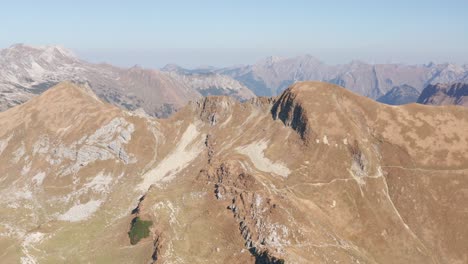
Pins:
x,y
28,244
185,151
345,141
256,153
41,146
100,183
325,140
19,153
80,212
4,143
26,168
38,179
24,194
258,200
36,71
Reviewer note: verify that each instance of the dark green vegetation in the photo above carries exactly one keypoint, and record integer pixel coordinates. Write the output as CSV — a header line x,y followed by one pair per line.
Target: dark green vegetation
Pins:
x,y
264,257
138,230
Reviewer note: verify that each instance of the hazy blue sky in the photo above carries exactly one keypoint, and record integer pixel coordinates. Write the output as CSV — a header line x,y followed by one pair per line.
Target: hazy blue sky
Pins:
x,y
191,33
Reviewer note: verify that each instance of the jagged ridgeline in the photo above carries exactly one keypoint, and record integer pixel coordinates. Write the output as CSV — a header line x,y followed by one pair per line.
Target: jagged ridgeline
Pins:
x,y
316,175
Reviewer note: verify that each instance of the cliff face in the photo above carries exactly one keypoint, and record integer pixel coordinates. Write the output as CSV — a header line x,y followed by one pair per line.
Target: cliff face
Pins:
x,y
445,94
316,175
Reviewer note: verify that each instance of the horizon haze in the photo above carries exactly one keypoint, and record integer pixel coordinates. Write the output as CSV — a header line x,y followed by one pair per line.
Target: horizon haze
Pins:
x,y
155,33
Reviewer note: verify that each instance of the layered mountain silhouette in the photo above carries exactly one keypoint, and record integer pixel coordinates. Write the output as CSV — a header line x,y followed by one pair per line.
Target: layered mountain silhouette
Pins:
x,y
316,175
274,74
26,71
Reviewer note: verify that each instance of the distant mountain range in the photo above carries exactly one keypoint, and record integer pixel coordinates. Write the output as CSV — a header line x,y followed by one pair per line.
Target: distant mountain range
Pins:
x,y
273,75
26,71
387,83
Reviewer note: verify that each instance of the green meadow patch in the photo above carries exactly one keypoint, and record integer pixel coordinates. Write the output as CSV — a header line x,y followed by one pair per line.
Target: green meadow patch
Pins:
x,y
139,230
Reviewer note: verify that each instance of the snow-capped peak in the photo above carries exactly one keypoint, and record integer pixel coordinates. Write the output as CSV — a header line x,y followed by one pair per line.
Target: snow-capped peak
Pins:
x,y
49,53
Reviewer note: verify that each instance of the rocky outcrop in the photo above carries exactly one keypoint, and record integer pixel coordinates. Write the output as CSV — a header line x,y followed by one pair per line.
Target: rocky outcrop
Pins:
x,y
445,94
253,212
215,109
291,112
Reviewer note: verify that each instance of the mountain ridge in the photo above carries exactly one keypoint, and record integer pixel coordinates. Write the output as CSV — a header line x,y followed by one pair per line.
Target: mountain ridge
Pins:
x,y
26,71
343,178
271,76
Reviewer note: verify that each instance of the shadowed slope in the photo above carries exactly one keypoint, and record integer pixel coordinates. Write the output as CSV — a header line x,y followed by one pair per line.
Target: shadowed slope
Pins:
x,y
445,94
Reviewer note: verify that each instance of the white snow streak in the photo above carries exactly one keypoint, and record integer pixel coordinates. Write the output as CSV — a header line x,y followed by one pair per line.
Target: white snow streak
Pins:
x,y
256,153
180,157
80,212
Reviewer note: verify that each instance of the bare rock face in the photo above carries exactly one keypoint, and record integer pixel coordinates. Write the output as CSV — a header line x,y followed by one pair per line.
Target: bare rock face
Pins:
x,y
252,208
445,94
289,110
317,175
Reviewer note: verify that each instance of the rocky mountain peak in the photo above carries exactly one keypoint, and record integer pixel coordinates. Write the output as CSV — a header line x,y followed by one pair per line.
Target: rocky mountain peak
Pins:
x,y
55,104
172,68
47,53
71,91
296,106
270,60
290,110
215,109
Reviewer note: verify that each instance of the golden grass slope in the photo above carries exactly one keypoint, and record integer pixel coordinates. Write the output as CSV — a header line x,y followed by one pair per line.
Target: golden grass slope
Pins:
x,y
317,175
